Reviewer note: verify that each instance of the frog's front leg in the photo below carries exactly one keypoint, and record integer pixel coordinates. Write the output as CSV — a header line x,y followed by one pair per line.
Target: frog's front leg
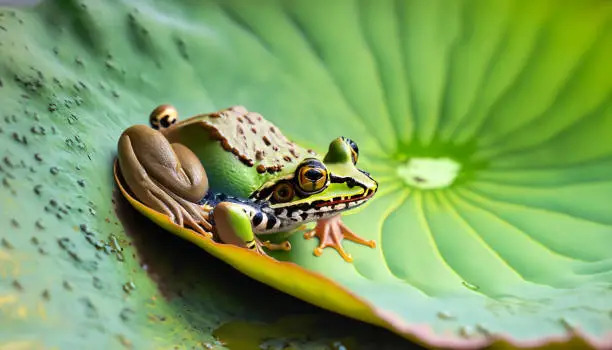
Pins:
x,y
168,178
233,226
331,231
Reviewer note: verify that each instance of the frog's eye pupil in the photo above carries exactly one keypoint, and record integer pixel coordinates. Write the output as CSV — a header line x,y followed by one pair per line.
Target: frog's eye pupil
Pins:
x,y
313,174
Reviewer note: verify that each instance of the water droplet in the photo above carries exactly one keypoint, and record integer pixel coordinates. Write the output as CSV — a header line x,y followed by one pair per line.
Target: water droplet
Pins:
x,y
443,315
126,314
39,225
17,285
67,285
97,283
114,243
129,287
6,244
466,331
470,286
46,295
90,308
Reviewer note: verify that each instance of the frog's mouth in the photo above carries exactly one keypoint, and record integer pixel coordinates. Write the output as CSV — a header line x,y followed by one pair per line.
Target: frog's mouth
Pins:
x,y
322,207
340,203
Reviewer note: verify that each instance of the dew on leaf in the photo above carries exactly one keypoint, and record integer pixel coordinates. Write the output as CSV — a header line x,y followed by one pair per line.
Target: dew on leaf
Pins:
x,y
17,285
126,314
483,330
470,286
15,223
6,244
67,285
444,315
97,283
39,225
37,130
20,139
90,309
129,287
467,331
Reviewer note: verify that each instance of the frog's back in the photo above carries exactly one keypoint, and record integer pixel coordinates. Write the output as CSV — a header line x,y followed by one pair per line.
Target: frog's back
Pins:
x,y
240,150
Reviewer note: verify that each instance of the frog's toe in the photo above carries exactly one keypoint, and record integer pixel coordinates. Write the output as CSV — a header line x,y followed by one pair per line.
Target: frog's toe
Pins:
x,y
317,251
286,246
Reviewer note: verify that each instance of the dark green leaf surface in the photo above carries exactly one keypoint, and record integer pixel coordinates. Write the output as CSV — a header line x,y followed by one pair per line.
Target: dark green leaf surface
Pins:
x,y
488,125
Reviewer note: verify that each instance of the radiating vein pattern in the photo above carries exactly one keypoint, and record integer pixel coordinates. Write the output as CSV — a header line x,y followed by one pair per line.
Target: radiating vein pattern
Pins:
x,y
513,96
520,88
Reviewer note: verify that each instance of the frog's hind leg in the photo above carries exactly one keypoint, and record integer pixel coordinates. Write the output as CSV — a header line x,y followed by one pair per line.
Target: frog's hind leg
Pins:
x,y
169,178
233,226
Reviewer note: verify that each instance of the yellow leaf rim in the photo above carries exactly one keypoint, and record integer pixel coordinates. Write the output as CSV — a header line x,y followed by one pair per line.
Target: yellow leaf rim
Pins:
x,y
321,291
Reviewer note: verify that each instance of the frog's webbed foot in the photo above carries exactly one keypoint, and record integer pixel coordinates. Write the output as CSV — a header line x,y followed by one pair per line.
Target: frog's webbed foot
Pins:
x,y
186,213
331,232
179,211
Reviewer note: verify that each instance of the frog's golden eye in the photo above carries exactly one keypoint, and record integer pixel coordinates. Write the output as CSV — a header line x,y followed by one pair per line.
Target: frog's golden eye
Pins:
x,y
283,192
163,117
312,176
354,149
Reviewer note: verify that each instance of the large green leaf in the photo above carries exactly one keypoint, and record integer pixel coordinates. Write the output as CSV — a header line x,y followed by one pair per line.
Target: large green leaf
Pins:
x,y
487,123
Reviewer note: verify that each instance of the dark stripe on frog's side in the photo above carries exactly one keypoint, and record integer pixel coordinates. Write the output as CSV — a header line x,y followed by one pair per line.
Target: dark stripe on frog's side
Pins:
x,y
260,214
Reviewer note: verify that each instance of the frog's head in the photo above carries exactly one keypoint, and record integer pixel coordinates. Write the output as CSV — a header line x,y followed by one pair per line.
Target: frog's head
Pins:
x,y
320,188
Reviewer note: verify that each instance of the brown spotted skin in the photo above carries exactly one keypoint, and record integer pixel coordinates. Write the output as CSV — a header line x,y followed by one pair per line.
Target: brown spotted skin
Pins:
x,y
255,141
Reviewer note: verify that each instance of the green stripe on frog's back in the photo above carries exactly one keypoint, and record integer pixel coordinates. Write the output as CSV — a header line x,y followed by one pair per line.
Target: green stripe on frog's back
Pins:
x,y
240,151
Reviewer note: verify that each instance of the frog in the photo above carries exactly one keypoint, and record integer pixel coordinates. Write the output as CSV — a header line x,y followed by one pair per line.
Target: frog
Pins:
x,y
234,177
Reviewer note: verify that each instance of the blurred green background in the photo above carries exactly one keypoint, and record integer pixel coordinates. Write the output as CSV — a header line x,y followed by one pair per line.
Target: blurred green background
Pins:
x,y
514,240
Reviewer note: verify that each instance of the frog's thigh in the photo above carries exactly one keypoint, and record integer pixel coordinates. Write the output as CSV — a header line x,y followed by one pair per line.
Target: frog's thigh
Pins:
x,y
233,226
145,152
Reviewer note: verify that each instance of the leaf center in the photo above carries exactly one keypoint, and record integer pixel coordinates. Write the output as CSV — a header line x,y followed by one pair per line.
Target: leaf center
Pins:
x,y
429,173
